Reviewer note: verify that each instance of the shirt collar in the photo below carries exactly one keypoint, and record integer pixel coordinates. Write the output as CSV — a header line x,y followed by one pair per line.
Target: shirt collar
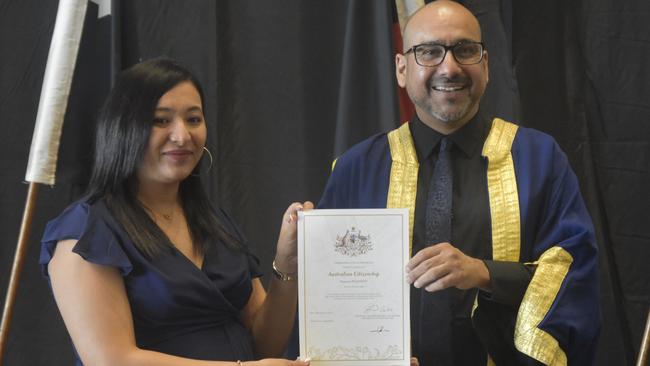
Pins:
x,y
469,139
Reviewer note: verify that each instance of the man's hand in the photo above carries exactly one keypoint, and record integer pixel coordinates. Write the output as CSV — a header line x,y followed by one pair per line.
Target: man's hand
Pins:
x,y
442,265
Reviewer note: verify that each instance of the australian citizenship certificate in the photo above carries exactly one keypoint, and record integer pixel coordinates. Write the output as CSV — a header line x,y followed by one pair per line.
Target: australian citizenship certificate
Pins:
x,y
353,295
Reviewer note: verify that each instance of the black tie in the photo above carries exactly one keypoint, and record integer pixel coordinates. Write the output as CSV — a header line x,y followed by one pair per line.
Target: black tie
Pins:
x,y
435,308
438,214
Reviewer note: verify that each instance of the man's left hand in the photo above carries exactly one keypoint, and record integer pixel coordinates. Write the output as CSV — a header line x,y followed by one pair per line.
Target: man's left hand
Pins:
x,y
442,265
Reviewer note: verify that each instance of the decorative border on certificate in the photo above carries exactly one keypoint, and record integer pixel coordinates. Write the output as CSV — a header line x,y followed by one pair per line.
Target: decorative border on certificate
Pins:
x,y
353,295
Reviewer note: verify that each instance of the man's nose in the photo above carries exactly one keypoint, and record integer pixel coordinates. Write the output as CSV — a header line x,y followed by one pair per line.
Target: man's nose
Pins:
x,y
449,65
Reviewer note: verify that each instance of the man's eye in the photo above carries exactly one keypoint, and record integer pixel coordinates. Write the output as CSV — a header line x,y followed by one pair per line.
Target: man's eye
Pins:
x,y
465,51
429,52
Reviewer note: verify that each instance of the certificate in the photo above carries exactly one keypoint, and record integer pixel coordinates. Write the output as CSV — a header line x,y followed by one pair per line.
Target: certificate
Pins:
x,y
353,295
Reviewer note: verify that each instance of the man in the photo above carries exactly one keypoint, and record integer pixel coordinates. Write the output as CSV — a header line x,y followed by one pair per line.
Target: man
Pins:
x,y
509,272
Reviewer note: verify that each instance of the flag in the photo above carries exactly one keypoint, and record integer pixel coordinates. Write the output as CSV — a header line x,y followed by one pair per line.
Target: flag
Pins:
x,y
41,167
402,10
61,141
98,64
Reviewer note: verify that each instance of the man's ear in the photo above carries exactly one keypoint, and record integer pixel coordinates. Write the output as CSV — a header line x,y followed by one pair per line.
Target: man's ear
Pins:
x,y
400,69
487,68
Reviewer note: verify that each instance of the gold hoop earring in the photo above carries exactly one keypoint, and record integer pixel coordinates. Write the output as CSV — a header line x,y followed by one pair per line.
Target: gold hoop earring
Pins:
x,y
209,167
209,156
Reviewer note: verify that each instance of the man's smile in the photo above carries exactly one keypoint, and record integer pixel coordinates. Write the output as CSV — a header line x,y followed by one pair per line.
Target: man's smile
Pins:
x,y
448,88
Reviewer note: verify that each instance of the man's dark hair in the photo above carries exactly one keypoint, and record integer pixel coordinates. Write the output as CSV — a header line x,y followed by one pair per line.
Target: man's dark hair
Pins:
x,y
123,129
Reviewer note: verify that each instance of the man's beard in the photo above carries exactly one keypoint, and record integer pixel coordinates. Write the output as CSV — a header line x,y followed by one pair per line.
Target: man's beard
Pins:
x,y
457,111
447,115
447,111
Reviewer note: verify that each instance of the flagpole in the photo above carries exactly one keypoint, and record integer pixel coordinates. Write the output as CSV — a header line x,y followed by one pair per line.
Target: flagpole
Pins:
x,y
644,351
16,269
43,153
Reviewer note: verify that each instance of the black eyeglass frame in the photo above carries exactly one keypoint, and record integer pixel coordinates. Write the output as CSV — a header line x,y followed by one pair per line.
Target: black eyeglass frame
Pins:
x,y
447,49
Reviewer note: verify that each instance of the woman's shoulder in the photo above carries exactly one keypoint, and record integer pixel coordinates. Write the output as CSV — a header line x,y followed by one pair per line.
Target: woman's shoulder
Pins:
x,y
74,219
90,223
73,216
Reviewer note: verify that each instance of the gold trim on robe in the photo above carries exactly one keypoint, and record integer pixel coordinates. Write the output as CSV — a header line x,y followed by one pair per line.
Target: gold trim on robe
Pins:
x,y
502,188
503,195
334,164
552,268
506,244
403,185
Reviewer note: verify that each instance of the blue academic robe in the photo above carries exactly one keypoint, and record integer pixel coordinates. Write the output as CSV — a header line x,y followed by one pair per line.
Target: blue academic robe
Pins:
x,y
538,217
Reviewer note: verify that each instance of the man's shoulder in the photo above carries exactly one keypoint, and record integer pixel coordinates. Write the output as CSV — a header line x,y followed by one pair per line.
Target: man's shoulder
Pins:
x,y
370,149
360,175
524,134
529,139
531,135
532,146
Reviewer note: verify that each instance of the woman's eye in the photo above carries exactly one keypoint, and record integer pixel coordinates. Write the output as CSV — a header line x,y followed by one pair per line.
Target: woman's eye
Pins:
x,y
195,119
160,121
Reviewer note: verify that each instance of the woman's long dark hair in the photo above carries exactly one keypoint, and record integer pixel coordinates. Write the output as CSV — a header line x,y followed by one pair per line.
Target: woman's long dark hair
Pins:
x,y
123,130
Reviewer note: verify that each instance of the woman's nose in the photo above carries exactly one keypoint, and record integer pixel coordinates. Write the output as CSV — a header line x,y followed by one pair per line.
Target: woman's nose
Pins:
x,y
179,133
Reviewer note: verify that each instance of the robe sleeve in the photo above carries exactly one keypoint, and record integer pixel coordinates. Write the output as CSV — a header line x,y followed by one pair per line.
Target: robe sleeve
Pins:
x,y
558,321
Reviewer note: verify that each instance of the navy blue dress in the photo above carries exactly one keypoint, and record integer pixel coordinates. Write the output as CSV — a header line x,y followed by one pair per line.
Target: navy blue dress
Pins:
x,y
177,308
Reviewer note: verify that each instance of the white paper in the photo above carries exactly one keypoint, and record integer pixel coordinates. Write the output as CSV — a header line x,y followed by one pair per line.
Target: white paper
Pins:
x,y
353,294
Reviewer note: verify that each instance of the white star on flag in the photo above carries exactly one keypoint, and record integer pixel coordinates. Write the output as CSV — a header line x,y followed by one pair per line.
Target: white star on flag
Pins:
x,y
104,7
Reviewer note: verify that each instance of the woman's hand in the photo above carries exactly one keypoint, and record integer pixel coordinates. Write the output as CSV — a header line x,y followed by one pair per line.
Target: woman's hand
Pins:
x,y
286,255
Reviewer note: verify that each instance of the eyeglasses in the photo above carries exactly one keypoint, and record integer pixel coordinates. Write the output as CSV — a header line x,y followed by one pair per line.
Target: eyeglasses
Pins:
x,y
432,54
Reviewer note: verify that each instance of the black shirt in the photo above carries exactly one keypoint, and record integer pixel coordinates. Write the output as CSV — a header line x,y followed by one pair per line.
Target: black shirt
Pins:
x,y
470,222
471,231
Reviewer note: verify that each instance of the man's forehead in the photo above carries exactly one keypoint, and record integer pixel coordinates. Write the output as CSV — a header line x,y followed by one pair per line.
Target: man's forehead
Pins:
x,y
442,25
446,36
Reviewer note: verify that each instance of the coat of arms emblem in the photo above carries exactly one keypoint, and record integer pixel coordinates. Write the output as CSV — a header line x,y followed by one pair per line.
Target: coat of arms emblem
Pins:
x,y
353,243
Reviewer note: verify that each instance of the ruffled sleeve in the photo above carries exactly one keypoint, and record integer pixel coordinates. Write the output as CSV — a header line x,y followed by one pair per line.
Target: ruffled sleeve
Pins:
x,y
97,242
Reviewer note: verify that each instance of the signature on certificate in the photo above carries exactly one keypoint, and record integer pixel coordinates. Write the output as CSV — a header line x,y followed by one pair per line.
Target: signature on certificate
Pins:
x,y
376,308
380,329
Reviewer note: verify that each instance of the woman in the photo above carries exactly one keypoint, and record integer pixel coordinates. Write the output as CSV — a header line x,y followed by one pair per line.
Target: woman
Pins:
x,y
143,269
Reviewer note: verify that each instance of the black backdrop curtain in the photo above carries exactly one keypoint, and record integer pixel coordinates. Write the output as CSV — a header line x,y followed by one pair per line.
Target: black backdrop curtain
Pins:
x,y
290,84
